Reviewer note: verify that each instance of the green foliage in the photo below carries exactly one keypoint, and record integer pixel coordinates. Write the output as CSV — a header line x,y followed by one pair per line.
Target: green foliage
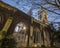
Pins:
x,y
8,43
55,37
43,46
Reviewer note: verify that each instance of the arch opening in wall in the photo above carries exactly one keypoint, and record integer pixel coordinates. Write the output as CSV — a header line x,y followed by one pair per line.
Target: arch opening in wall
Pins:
x,y
20,34
19,27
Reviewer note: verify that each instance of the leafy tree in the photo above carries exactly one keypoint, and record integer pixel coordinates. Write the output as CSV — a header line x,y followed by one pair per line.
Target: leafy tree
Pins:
x,y
55,35
8,42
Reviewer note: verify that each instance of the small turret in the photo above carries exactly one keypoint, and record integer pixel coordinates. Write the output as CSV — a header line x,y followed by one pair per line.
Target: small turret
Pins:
x,y
43,17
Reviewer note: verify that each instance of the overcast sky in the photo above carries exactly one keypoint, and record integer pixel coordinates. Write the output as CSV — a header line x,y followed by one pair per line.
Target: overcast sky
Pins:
x,y
25,5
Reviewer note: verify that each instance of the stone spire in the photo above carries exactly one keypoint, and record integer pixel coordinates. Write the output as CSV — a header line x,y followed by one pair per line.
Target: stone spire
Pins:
x,y
31,9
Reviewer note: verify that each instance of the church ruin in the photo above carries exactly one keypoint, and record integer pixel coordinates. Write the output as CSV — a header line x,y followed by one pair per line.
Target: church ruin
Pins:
x,y
26,30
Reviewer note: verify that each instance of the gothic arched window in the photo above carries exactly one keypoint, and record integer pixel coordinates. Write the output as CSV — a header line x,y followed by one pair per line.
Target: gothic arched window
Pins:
x,y
20,33
20,26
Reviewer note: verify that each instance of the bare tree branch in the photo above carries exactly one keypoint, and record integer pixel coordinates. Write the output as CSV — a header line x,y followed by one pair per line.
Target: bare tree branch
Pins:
x,y
51,10
47,9
54,4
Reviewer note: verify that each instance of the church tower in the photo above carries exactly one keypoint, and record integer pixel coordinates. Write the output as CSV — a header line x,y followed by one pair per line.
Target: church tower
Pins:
x,y
43,17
